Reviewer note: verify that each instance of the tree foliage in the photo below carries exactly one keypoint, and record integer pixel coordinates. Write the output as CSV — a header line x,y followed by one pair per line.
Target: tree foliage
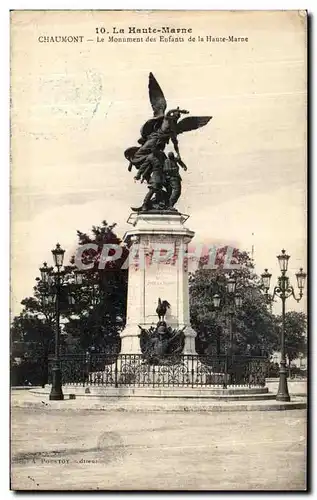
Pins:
x,y
99,312
295,334
96,312
32,338
253,324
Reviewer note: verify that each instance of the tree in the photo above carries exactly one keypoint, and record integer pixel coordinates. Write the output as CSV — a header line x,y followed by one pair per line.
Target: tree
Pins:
x,y
94,316
254,326
31,341
100,302
295,334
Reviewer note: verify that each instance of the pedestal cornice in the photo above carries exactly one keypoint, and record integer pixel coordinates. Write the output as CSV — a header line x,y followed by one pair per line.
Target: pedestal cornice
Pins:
x,y
159,224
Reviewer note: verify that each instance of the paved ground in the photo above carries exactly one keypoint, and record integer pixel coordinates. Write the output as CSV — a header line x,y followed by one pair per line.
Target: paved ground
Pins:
x,y
93,449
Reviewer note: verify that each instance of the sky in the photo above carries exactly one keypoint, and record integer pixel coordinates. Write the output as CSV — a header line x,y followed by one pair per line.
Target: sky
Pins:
x,y
77,107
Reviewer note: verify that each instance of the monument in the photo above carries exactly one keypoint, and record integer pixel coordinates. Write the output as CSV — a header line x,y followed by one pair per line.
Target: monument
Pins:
x,y
158,242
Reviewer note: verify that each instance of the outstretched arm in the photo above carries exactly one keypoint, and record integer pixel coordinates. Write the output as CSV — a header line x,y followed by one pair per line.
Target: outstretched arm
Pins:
x,y
175,143
171,112
181,163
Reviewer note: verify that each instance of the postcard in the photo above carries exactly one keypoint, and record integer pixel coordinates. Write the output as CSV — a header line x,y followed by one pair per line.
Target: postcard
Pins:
x,y
158,250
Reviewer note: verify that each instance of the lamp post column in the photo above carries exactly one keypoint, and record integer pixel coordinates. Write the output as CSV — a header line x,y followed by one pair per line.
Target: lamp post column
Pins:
x,y
282,393
56,393
231,301
231,346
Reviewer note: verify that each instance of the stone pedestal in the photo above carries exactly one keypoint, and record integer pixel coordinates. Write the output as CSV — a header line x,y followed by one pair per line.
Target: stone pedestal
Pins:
x,y
157,269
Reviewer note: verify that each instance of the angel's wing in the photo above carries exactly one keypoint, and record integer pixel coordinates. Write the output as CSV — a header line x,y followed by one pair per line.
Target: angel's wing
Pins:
x,y
151,125
157,98
191,123
144,338
130,152
176,341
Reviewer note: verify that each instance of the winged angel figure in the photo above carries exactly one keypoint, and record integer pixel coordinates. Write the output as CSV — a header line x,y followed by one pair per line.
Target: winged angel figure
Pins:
x,y
158,131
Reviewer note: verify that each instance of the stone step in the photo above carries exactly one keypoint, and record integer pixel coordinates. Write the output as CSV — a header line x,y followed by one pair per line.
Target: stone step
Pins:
x,y
148,405
191,393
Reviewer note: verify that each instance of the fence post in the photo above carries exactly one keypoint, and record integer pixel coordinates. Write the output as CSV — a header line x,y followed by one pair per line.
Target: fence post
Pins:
x,y
250,366
116,371
86,369
226,372
194,365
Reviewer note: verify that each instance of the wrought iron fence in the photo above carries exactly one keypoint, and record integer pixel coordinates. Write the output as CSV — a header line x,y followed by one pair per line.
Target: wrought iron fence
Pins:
x,y
132,370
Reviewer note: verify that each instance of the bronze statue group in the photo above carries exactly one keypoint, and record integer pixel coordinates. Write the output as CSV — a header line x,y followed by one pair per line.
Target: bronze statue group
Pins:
x,y
158,344
161,171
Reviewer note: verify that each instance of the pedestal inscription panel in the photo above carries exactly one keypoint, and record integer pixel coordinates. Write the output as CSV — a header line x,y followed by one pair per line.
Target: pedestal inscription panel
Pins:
x,y
161,281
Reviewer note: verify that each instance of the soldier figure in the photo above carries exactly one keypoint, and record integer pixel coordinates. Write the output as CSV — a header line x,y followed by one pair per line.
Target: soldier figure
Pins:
x,y
173,180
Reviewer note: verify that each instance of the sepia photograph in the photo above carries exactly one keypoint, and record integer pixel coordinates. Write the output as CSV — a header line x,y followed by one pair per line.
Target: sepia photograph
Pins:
x,y
158,296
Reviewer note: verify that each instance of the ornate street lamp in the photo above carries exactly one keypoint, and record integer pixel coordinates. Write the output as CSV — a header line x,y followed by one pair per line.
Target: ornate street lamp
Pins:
x,y
74,287
48,298
216,301
94,294
238,301
230,301
78,277
283,259
283,290
89,295
231,285
301,279
51,293
46,274
44,270
58,255
266,280
51,286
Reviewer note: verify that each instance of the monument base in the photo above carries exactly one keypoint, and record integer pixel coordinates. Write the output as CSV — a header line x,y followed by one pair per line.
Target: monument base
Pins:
x,y
158,247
